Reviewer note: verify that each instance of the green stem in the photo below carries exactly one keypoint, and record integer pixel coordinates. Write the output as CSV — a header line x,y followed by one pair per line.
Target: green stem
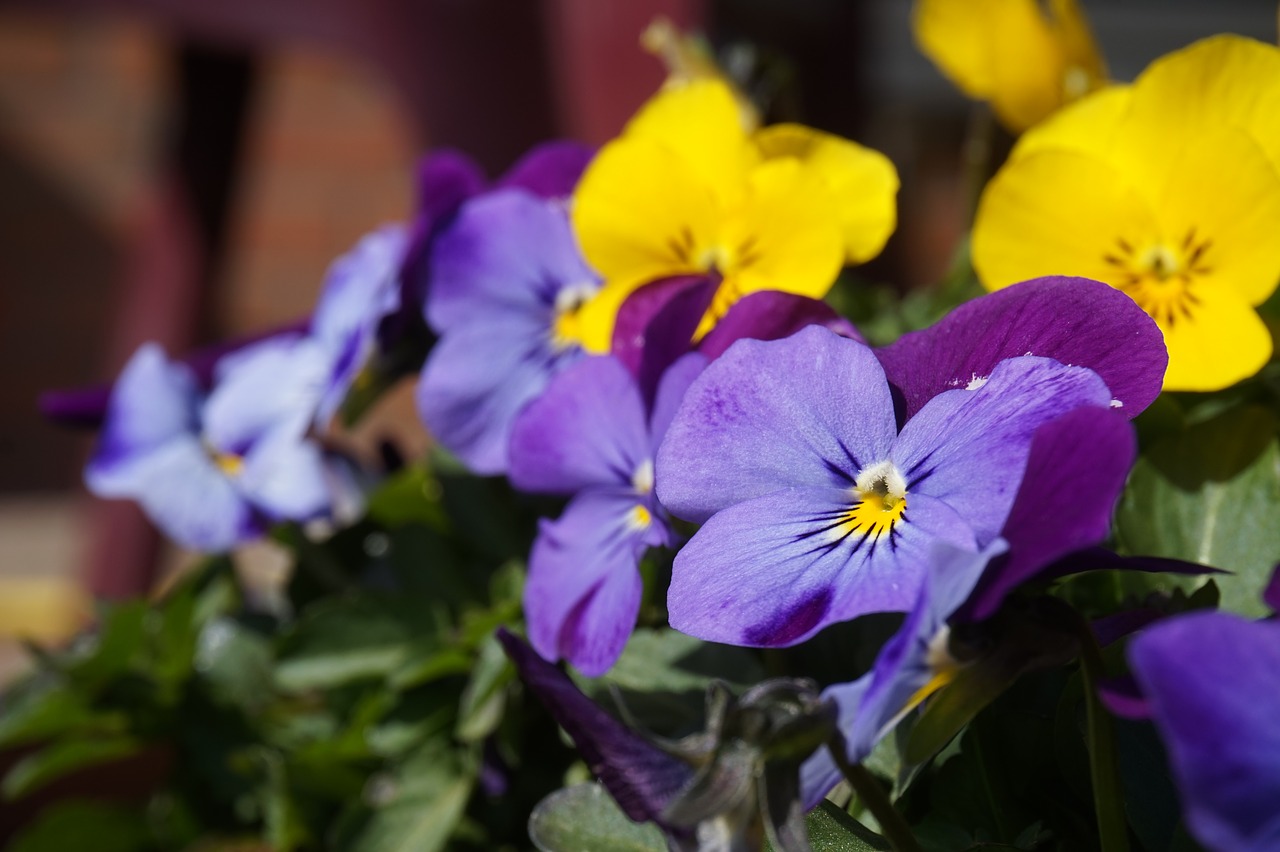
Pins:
x,y
997,813
871,794
1104,771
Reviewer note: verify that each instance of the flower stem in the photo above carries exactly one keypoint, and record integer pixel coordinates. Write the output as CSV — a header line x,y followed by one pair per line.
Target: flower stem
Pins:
x,y
871,794
1104,771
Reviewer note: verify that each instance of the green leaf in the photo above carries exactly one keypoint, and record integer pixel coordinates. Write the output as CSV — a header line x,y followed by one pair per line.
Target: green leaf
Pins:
x,y
62,758
1208,495
109,652
833,830
483,700
411,496
421,805
340,641
50,710
84,825
584,818
236,662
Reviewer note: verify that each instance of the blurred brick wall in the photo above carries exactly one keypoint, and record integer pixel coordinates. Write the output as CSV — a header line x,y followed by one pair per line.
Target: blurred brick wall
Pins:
x,y
83,110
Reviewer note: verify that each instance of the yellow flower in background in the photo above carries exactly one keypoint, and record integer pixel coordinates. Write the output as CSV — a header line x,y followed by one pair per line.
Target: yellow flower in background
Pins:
x,y
1168,190
1025,57
689,189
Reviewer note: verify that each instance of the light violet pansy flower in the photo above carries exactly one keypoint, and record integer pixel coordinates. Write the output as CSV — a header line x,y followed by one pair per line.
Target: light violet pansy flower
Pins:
x,y
507,283
591,436
213,472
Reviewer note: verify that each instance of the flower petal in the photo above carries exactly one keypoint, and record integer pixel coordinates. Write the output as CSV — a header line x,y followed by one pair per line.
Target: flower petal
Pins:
x,y
1072,320
583,590
863,182
655,326
776,569
190,499
506,252
476,381
588,428
285,475
772,315
154,402
747,427
1075,472
262,387
970,447
1213,680
550,170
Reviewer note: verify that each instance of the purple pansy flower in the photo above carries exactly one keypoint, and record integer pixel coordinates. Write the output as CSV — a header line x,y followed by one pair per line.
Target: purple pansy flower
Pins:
x,y
507,280
1212,683
816,509
361,289
212,472
591,436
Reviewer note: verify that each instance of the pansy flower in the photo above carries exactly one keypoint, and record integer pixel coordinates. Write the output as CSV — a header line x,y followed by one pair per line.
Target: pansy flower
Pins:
x,y
688,190
1027,58
806,487
1212,685
507,287
590,435
213,472
1167,190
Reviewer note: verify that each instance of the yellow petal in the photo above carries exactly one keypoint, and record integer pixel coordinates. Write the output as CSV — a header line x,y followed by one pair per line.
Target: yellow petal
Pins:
x,y
784,237
1220,194
1224,79
863,183
1084,70
701,123
1089,125
1056,213
1223,341
640,214
953,34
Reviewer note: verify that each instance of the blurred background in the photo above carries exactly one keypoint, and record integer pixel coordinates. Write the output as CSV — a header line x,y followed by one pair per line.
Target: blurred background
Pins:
x,y
186,171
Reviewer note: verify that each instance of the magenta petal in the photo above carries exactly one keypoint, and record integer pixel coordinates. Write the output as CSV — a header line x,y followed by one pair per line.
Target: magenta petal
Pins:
x,y
774,570
446,178
550,170
1123,697
588,428
1213,682
1072,320
970,447
807,411
583,591
655,325
641,778
1075,471
772,315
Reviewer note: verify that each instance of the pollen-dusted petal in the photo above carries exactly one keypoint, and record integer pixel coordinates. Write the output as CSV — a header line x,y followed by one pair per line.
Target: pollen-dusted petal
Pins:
x,y
1072,320
583,589
699,121
774,570
586,429
748,427
1220,341
1213,683
1057,213
863,182
970,448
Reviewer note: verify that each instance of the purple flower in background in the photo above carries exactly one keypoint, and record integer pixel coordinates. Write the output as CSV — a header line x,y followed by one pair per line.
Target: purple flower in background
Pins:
x,y
507,282
1212,682
212,472
591,436
815,508
361,289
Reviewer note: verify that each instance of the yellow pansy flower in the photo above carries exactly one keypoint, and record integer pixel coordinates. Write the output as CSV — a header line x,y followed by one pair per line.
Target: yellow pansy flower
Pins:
x,y
689,189
1169,191
1025,57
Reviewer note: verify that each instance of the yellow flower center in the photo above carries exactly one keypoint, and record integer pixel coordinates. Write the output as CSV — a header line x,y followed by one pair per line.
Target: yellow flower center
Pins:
x,y
568,329
1161,276
881,494
639,519
229,463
